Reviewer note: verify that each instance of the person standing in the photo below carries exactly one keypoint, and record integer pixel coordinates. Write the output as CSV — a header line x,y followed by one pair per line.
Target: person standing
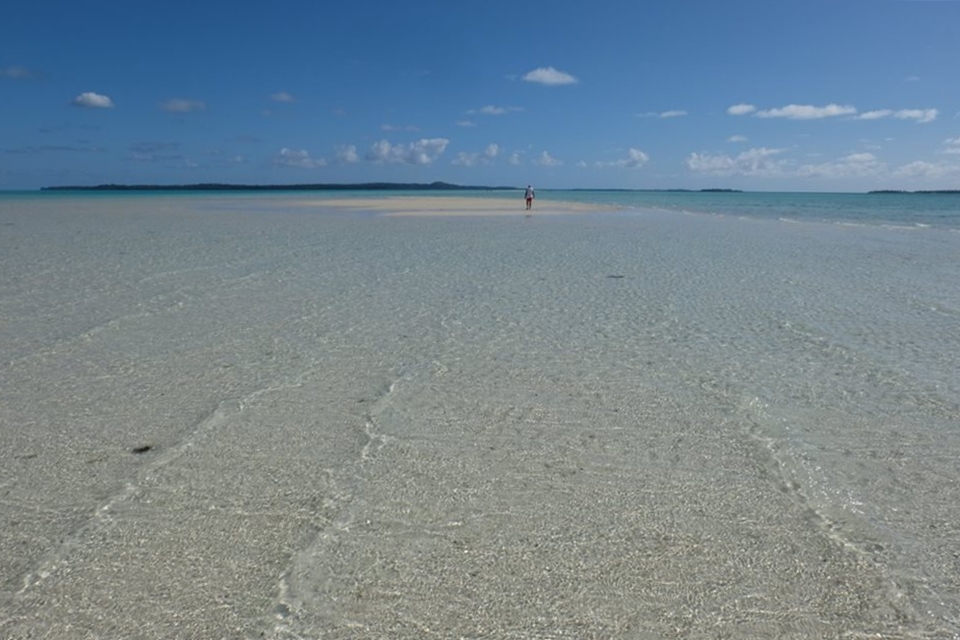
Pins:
x,y
529,196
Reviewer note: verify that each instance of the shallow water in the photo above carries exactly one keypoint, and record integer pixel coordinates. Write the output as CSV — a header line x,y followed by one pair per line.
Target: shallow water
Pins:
x,y
645,424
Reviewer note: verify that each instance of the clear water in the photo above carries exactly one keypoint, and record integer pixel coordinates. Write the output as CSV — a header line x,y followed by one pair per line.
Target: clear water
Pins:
x,y
674,420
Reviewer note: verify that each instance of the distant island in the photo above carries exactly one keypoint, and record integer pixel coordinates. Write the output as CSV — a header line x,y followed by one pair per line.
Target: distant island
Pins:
x,y
898,191
216,186
361,186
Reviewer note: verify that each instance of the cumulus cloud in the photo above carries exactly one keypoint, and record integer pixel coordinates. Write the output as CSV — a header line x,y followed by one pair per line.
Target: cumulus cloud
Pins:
x,y
465,159
634,160
93,100
811,112
347,154
422,152
662,114
875,115
493,110
282,96
394,127
765,163
549,76
853,165
737,138
297,158
182,105
515,159
808,112
920,169
546,160
466,123
754,162
741,109
922,116
953,145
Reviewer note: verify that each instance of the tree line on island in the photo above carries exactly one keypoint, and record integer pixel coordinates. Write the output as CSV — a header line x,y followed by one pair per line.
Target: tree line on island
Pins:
x,y
218,186
361,186
394,186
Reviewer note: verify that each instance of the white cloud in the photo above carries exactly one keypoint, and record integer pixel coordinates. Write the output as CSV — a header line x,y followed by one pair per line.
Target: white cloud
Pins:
x,y
737,139
875,115
921,169
546,160
466,123
853,165
634,160
922,116
754,162
493,110
93,100
182,105
393,127
549,76
282,96
953,146
423,151
348,154
465,159
741,109
662,114
515,158
807,112
764,163
297,158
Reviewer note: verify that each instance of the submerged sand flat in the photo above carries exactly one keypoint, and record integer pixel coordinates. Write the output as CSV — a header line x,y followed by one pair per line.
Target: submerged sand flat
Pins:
x,y
247,418
446,206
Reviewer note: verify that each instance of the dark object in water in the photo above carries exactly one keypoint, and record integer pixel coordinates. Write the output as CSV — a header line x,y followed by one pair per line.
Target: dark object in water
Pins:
x,y
615,276
143,449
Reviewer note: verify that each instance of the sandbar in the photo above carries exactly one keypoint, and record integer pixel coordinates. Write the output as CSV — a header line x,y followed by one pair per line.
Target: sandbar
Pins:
x,y
450,206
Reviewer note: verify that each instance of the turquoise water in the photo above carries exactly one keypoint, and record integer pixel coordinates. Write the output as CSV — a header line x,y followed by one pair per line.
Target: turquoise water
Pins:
x,y
936,210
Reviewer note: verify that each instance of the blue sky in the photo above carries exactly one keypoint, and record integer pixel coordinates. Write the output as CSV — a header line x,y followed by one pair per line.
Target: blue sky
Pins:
x,y
839,95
